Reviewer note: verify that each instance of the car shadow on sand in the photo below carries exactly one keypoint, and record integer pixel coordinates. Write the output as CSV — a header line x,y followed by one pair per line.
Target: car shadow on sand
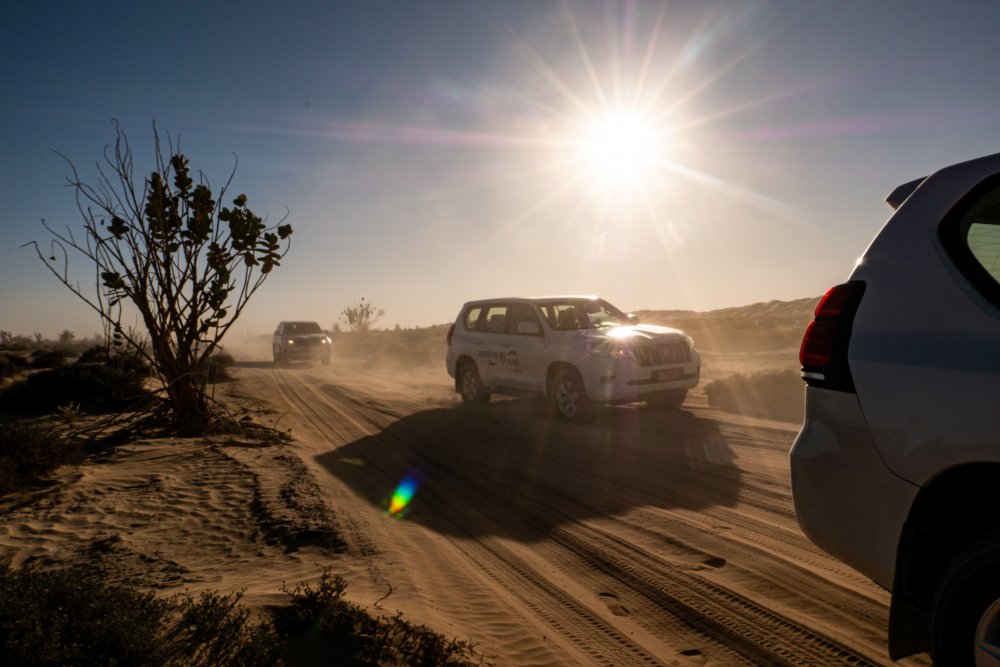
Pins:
x,y
510,469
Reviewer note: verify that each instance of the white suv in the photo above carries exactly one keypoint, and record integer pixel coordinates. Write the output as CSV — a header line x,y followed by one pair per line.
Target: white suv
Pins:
x,y
573,350
897,467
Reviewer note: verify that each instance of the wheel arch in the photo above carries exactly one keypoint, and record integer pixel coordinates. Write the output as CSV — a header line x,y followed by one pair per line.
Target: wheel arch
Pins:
x,y
954,510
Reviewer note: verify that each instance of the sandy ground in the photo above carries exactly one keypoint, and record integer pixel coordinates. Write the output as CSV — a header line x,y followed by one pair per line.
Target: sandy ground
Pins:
x,y
640,539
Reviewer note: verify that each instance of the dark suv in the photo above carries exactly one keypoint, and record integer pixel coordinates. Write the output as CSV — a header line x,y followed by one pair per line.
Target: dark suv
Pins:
x,y
295,341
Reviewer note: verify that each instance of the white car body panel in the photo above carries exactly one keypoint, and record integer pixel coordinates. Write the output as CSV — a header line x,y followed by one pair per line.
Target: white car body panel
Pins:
x,y
522,362
917,372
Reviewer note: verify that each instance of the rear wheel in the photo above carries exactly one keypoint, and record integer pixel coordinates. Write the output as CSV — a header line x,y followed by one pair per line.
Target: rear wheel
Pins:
x,y
569,396
966,612
470,386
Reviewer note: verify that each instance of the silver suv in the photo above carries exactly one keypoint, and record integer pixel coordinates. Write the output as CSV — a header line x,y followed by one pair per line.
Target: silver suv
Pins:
x,y
573,350
300,340
897,467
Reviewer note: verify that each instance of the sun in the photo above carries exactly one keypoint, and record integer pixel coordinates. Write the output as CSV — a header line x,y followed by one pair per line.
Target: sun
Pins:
x,y
620,150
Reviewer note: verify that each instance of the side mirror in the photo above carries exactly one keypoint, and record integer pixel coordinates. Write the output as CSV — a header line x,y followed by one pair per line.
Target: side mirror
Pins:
x,y
633,319
528,328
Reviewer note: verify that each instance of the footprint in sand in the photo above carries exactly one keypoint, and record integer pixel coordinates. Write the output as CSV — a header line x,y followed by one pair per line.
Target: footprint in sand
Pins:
x,y
713,562
613,603
693,657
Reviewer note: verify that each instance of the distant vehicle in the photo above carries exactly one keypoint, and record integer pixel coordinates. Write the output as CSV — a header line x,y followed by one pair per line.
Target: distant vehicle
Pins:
x,y
896,470
573,350
294,341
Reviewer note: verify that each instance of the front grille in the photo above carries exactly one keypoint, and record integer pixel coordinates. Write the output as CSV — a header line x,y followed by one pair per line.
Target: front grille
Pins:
x,y
307,342
661,354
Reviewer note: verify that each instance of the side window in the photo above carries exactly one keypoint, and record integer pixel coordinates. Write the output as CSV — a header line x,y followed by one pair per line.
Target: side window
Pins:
x,y
522,312
971,235
496,319
984,242
472,317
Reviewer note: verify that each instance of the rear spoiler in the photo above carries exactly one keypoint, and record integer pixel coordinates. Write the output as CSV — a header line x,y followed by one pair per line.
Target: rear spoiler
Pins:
x,y
899,195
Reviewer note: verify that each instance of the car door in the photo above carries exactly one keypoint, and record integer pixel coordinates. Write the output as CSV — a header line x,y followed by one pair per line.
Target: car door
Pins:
x,y
490,350
523,349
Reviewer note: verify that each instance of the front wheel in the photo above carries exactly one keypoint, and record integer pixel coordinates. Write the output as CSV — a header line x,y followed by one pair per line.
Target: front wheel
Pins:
x,y
569,396
472,389
966,611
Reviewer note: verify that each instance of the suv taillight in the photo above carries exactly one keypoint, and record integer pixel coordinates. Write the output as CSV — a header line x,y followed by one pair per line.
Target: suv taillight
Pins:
x,y
823,354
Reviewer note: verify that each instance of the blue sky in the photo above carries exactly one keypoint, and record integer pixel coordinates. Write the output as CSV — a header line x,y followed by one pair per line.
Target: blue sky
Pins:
x,y
428,152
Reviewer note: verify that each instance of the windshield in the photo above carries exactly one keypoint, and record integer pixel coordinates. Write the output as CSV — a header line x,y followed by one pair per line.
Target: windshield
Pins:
x,y
302,328
567,314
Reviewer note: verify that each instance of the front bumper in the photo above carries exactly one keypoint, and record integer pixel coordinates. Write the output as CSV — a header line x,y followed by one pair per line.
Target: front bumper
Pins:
x,y
622,380
846,500
311,351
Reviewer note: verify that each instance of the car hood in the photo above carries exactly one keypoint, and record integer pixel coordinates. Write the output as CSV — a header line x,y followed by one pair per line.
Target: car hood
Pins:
x,y
634,333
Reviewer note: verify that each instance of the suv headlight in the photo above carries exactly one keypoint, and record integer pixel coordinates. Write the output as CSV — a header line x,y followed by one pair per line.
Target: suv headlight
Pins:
x,y
610,350
289,341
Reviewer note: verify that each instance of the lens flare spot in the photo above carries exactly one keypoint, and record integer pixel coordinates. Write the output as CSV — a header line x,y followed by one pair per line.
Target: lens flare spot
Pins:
x,y
401,497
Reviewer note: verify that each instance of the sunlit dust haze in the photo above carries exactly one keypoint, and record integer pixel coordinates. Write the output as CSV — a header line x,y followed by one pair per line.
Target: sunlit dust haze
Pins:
x,y
677,155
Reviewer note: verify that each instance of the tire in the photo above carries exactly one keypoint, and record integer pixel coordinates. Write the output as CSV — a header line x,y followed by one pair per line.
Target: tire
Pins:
x,y
669,401
276,354
568,396
470,386
966,610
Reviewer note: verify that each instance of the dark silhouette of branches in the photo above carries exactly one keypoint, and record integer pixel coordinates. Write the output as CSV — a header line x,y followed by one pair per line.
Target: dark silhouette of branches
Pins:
x,y
175,253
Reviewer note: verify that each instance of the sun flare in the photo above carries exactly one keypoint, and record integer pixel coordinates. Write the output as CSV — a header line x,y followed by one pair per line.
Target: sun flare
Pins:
x,y
620,150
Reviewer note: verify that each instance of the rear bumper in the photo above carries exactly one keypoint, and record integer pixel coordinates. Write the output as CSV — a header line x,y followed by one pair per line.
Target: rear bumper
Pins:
x,y
846,500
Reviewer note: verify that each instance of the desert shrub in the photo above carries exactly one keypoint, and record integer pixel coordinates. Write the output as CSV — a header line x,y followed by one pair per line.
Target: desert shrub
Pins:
x,y
318,621
47,358
94,388
28,452
768,394
7,366
216,367
96,354
69,617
